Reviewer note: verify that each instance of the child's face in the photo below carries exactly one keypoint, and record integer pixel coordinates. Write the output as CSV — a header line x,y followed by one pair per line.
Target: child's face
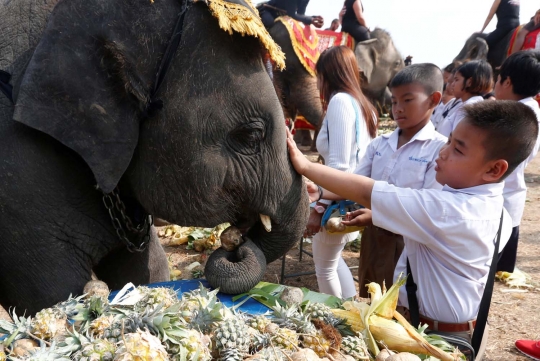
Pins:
x,y
411,106
446,76
459,85
461,162
504,89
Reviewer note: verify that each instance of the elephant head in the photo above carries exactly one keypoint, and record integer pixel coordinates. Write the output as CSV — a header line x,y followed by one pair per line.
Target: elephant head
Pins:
x,y
475,48
214,153
295,86
378,60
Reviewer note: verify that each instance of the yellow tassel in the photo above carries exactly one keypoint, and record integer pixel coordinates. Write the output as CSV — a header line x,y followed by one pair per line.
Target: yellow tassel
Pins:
x,y
237,18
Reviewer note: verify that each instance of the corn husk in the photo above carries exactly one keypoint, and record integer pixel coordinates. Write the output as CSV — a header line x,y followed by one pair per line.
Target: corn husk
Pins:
x,y
380,316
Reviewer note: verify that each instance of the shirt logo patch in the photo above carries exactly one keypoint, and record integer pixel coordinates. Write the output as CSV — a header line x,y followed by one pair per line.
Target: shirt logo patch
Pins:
x,y
419,160
378,153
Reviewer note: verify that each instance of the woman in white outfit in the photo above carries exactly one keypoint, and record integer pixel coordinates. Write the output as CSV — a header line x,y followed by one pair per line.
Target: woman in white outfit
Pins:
x,y
348,127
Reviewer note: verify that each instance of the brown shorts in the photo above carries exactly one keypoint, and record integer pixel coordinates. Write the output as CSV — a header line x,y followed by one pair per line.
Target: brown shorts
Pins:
x,y
379,253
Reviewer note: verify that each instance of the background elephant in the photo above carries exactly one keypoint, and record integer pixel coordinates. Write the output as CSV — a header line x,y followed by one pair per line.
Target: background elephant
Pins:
x,y
296,88
215,152
476,48
378,60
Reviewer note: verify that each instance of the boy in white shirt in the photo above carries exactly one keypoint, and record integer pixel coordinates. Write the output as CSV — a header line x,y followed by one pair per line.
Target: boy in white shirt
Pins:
x,y
450,234
519,80
404,158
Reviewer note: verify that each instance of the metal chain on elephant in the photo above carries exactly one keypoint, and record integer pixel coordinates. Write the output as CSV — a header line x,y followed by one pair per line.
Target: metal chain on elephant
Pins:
x,y
115,206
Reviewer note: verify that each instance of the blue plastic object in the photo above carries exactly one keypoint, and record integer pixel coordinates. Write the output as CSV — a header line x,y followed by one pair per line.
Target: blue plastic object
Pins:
x,y
251,306
343,209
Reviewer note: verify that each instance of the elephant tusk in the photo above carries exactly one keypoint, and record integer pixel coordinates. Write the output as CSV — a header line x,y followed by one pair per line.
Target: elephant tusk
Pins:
x,y
267,222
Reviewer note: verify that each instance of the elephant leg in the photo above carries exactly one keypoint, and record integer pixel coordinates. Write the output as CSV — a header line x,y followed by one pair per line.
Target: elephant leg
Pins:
x,y
122,266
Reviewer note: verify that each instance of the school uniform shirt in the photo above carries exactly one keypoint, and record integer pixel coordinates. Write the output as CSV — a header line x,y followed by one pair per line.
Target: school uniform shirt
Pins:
x,y
452,120
443,110
515,189
449,240
411,166
336,141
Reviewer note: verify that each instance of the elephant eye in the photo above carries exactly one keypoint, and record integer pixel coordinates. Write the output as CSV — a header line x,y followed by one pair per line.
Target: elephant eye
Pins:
x,y
246,139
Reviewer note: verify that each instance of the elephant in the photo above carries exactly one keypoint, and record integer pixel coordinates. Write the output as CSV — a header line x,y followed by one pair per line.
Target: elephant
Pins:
x,y
378,60
296,87
476,48
85,160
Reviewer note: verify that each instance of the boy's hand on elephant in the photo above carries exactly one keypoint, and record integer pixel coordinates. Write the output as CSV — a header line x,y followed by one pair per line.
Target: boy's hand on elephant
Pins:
x,y
314,224
359,218
299,161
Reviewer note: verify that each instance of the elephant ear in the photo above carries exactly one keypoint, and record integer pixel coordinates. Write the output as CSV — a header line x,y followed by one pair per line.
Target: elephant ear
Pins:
x,y
80,88
366,57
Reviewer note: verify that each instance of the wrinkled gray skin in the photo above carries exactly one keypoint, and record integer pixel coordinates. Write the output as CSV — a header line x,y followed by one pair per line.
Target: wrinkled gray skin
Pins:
x,y
476,48
296,87
216,152
378,60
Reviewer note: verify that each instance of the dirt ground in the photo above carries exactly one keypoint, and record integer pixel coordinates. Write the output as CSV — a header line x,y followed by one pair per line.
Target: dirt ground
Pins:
x,y
515,313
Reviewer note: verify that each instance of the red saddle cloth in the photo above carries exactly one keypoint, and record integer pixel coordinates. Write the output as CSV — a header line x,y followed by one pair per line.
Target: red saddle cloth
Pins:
x,y
329,38
304,40
532,40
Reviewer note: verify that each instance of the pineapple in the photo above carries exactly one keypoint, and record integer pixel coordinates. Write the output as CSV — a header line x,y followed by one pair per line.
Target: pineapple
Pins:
x,y
140,346
354,346
319,311
98,326
231,354
193,346
44,353
20,328
152,297
96,350
49,323
196,300
317,342
293,318
285,338
259,322
3,356
232,333
271,354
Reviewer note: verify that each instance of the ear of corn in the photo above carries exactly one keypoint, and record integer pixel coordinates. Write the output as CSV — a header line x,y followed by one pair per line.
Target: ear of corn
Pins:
x,y
353,319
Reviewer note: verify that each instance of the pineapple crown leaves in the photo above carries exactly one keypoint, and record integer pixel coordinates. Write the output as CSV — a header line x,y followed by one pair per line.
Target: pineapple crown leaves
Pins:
x,y
88,311
19,328
44,353
72,343
70,307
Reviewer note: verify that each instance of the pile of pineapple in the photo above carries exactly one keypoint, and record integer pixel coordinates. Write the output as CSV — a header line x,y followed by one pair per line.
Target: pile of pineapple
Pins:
x,y
158,325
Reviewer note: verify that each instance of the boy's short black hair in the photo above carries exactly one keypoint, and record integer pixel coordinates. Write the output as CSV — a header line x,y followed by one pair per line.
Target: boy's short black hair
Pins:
x,y
426,74
523,68
481,75
511,129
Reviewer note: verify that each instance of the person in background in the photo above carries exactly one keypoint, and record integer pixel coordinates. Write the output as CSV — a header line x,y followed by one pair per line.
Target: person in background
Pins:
x,y
452,106
408,60
353,21
296,9
507,12
447,72
349,125
334,25
518,80
471,81
440,109
534,24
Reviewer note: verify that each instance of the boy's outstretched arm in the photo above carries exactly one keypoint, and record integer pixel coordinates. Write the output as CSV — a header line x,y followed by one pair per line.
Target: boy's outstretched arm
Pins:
x,y
347,185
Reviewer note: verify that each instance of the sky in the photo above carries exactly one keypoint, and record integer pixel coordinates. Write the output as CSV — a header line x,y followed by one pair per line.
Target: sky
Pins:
x,y
429,30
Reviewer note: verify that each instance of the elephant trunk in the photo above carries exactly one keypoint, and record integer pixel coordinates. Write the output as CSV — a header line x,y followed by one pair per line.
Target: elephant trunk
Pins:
x,y
240,270
305,95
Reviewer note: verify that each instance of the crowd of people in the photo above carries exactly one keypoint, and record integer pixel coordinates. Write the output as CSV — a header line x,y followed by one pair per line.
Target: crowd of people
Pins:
x,y
437,189
434,189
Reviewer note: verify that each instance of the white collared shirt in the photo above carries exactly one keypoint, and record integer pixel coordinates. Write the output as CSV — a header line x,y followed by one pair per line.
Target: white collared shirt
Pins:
x,y
411,166
450,123
439,111
449,240
515,189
